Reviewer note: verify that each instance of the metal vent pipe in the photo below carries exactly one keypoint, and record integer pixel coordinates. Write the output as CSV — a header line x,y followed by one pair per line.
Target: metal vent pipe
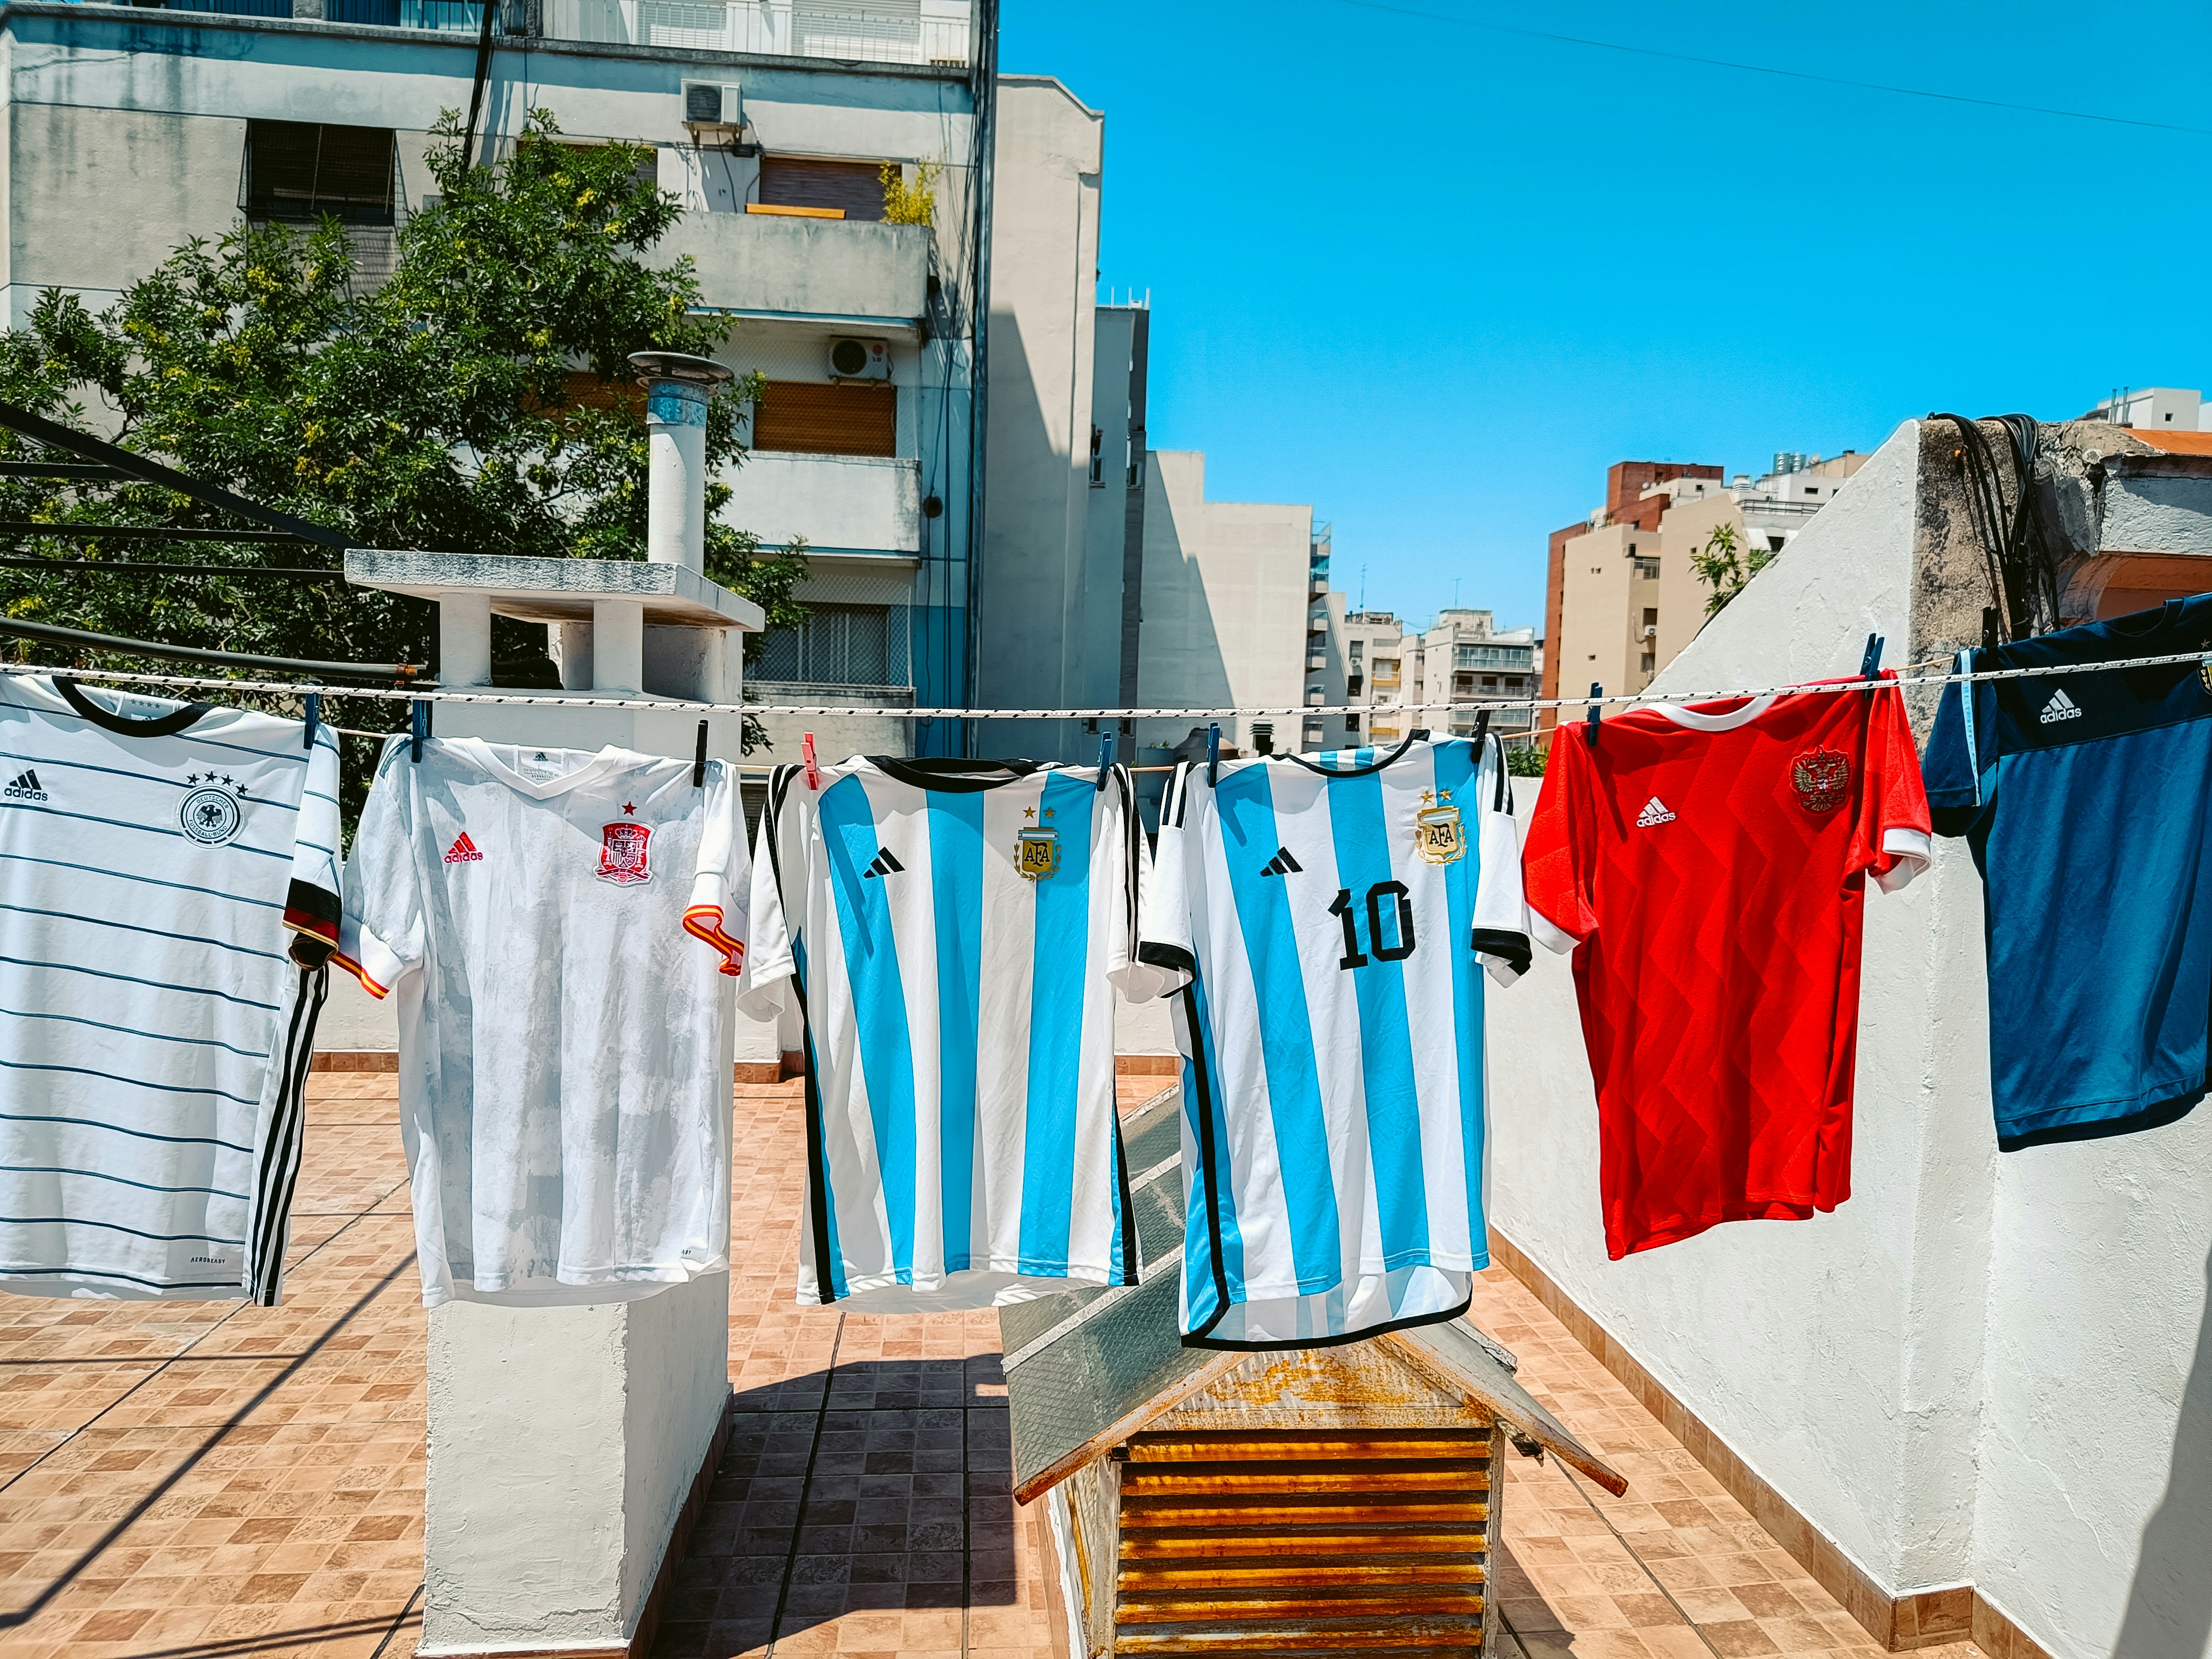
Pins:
x,y
677,390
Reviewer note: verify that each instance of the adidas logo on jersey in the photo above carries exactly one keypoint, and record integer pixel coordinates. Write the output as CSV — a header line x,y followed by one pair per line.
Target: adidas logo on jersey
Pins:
x,y
1654,812
26,787
463,851
883,864
2060,708
1282,864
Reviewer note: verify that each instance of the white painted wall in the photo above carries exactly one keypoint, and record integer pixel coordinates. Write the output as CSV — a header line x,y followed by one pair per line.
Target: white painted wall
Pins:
x,y
1985,1370
868,502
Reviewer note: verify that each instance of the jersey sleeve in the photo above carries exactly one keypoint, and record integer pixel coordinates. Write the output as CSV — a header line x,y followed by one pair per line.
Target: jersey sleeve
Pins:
x,y
716,914
1557,860
1165,961
1501,915
1962,752
314,905
770,960
1897,847
380,935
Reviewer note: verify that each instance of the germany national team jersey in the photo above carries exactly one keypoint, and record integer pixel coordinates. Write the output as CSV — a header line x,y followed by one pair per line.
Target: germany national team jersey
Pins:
x,y
1707,865
168,894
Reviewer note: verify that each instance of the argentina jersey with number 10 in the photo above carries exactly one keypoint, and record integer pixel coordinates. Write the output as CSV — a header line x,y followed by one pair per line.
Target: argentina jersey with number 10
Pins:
x,y
1324,922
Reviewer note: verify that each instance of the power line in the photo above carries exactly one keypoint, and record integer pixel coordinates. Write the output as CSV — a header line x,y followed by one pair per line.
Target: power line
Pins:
x,y
1762,69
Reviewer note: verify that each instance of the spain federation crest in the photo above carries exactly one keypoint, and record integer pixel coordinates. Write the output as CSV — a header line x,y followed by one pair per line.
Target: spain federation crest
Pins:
x,y
1439,834
622,853
1038,855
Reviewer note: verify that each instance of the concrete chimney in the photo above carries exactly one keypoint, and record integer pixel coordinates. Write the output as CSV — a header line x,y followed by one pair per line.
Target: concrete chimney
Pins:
x,y
677,390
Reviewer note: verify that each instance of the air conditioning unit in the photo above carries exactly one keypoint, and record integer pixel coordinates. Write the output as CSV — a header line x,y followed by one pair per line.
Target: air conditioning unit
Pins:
x,y
712,104
860,360
1651,630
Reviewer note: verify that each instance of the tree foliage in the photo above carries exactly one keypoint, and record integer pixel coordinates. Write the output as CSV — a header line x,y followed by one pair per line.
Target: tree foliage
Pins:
x,y
477,401
1724,565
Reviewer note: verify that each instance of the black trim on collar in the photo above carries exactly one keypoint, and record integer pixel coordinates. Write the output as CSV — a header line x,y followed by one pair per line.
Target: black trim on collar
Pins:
x,y
959,776
1404,744
161,725
1199,1340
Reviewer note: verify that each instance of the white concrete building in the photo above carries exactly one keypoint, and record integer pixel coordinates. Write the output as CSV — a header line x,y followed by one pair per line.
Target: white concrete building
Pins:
x,y
2159,408
1976,1400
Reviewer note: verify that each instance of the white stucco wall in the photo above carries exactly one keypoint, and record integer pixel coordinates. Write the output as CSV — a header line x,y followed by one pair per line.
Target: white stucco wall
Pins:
x,y
1980,1369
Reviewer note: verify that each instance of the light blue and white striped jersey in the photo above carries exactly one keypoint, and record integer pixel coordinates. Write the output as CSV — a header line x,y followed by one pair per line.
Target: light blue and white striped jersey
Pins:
x,y
1326,921
168,895
951,932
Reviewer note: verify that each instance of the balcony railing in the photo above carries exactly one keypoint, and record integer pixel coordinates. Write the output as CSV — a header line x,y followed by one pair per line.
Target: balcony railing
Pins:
x,y
865,31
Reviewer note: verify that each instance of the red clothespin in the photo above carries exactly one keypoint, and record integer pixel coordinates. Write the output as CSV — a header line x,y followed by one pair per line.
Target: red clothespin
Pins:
x,y
813,772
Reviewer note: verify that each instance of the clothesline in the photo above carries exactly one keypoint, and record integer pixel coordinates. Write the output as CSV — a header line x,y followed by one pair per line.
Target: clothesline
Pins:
x,y
679,706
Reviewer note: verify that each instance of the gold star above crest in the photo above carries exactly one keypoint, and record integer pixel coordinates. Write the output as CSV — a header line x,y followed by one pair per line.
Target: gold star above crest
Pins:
x,y
1048,812
1029,811
1427,796
1444,797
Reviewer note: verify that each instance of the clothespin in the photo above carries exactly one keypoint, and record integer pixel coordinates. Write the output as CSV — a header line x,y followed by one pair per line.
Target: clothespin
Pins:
x,y
1870,664
1212,754
1105,760
418,728
314,719
1481,727
699,759
1597,691
813,772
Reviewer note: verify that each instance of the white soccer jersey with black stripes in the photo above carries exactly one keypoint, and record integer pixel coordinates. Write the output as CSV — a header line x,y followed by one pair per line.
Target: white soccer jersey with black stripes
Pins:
x,y
168,894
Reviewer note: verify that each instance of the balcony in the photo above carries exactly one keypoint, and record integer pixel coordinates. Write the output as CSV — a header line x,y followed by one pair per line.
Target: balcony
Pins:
x,y
839,504
933,32
839,273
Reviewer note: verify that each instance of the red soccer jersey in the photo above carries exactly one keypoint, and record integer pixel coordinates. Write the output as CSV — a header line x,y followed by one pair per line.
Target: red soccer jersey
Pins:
x,y
1710,861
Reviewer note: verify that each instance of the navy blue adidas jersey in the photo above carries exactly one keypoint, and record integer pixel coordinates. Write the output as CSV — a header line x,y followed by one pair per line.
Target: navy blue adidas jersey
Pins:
x,y
2087,799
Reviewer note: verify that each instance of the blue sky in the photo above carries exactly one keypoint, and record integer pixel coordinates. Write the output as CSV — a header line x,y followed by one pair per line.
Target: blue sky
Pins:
x,y
1435,279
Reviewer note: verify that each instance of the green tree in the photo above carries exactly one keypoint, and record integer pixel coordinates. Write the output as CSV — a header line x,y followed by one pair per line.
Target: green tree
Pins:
x,y
478,401
1725,566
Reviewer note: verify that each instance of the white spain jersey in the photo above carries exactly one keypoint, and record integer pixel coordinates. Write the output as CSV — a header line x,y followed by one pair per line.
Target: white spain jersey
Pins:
x,y
564,1071
949,930
168,895
1326,921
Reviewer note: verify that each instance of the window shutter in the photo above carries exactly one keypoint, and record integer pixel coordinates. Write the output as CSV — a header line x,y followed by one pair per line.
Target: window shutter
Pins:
x,y
826,417
301,170
855,186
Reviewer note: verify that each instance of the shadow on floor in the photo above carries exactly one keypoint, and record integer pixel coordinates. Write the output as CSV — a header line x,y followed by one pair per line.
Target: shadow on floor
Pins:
x,y
881,1487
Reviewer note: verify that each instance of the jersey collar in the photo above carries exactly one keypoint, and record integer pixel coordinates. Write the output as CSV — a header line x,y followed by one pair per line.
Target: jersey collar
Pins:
x,y
590,772
1373,766
955,776
1682,715
159,726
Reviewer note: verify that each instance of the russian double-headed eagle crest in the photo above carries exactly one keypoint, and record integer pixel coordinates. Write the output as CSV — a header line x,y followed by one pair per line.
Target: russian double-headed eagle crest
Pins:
x,y
1822,778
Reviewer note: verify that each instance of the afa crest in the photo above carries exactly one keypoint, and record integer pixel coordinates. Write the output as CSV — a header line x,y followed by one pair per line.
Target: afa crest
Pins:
x,y
1822,779
1037,854
1439,834
622,853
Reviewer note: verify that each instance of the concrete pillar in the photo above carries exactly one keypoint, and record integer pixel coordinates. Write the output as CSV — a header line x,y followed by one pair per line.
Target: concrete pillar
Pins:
x,y
464,639
676,391
572,645
617,645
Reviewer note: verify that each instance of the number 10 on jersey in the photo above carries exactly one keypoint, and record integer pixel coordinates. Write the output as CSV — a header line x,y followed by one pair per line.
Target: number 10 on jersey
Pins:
x,y
1389,933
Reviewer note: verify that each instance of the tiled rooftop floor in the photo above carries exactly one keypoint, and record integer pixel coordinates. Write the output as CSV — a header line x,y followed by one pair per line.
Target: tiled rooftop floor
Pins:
x,y
199,1480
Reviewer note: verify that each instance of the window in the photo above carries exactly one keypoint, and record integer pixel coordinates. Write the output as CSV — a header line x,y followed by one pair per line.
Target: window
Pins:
x,y
1774,543
824,417
1645,662
840,644
1650,616
1357,647
1812,489
1490,682
855,187
301,170
1647,569
1351,724
1097,460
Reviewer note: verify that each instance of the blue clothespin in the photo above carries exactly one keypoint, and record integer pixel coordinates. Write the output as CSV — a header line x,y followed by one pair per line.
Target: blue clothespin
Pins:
x,y
699,759
1105,760
1870,664
1596,690
418,726
1212,754
314,719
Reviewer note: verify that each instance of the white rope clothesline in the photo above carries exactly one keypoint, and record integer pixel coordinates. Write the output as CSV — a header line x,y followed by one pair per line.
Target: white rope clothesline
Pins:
x,y
678,706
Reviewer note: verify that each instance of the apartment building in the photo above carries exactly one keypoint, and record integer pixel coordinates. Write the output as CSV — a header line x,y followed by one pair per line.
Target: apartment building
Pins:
x,y
1622,596
2153,408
